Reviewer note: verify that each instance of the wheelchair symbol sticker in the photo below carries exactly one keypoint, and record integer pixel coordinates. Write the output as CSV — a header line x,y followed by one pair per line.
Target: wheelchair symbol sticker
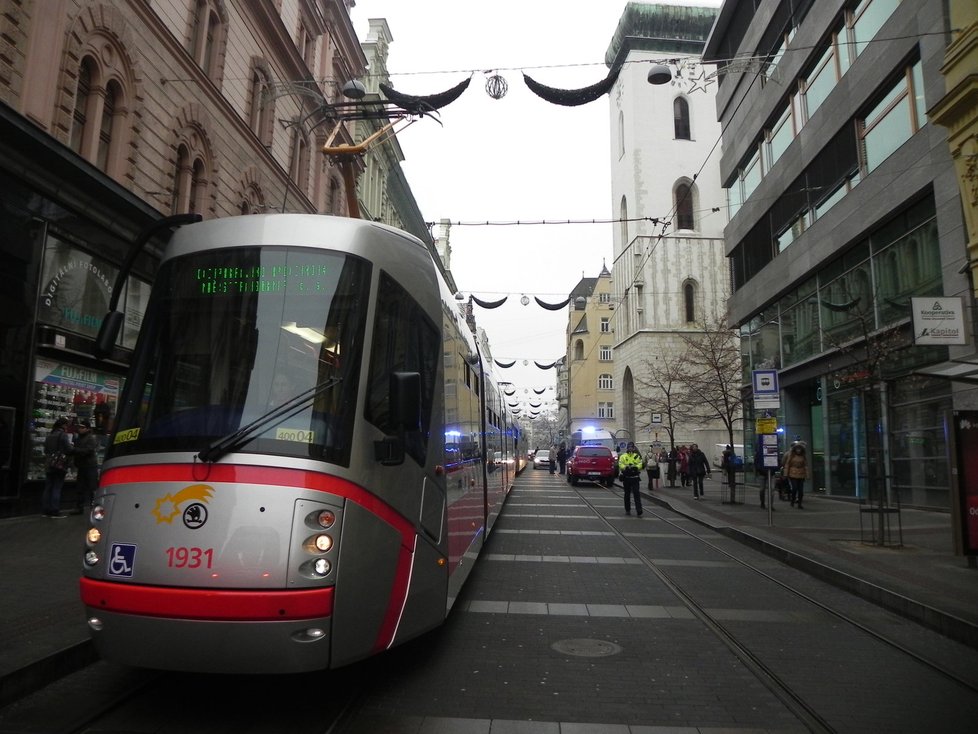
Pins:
x,y
122,559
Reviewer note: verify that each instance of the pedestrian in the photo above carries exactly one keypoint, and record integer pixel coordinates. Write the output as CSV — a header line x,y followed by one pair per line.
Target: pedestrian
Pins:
x,y
699,467
684,466
671,463
552,456
562,457
728,463
795,470
86,466
630,466
652,468
57,449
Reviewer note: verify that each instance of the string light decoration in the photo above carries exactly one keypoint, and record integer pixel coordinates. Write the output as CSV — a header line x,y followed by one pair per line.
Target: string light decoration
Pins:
x,y
496,86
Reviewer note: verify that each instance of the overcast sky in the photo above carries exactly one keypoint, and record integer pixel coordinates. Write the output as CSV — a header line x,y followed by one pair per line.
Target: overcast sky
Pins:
x,y
517,158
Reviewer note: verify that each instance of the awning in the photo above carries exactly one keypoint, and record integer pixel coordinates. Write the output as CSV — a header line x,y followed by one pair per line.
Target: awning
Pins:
x,y
956,370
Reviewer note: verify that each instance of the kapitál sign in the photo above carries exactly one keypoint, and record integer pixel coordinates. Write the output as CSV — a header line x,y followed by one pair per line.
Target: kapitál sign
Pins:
x,y
938,320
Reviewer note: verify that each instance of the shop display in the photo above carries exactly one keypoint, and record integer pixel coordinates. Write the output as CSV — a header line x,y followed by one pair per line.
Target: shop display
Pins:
x,y
75,394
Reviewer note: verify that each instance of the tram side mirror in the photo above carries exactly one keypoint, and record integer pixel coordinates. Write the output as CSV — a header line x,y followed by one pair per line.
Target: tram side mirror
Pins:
x,y
405,417
108,334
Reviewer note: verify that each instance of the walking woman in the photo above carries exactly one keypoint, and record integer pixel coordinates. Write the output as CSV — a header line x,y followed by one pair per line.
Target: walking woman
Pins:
x,y
795,470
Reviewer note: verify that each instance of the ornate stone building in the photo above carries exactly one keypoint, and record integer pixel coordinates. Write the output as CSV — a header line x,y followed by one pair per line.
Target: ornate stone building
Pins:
x,y
114,113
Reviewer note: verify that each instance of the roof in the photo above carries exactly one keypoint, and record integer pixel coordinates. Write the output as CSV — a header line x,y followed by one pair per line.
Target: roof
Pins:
x,y
672,29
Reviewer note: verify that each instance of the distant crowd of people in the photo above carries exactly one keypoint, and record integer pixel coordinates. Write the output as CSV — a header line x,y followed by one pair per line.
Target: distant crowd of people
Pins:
x,y
691,466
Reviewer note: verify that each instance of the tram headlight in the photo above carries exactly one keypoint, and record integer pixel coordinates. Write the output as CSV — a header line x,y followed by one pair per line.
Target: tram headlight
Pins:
x,y
317,568
98,513
93,536
318,543
91,558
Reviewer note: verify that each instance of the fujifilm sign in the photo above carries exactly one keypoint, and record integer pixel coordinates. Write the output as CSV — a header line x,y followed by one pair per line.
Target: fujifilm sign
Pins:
x,y
938,321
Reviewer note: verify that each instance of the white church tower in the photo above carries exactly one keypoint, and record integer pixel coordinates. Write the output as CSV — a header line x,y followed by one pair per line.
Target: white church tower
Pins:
x,y
670,274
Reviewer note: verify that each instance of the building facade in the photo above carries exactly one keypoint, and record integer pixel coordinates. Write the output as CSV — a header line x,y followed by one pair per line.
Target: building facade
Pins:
x,y
585,383
844,205
670,274
113,115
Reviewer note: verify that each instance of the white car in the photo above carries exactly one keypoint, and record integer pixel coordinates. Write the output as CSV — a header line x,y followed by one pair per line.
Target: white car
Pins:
x,y
541,459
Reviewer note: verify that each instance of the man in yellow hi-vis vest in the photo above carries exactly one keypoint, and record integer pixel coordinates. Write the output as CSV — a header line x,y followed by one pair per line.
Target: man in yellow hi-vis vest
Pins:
x,y
630,465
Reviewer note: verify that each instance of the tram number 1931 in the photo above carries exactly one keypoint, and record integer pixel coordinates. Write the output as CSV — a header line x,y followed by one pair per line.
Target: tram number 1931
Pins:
x,y
189,557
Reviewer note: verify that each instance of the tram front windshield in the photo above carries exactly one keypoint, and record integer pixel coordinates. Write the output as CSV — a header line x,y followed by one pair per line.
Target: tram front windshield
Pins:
x,y
231,336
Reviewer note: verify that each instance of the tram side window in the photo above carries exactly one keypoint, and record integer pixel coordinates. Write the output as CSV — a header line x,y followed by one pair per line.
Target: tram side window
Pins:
x,y
404,340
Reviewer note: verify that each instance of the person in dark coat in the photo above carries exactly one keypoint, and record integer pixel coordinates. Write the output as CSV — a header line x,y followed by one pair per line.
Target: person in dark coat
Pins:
x,y
562,457
57,449
86,464
729,466
699,467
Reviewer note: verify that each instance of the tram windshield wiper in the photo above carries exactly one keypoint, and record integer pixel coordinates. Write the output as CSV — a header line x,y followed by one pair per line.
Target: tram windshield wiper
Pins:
x,y
292,407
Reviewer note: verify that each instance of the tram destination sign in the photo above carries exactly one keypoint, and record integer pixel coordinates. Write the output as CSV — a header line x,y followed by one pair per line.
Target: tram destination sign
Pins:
x,y
938,320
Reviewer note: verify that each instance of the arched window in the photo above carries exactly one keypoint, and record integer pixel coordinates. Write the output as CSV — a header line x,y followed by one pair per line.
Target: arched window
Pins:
x,y
299,164
99,121
621,133
107,128
606,382
79,118
262,105
209,35
623,216
191,182
578,350
689,302
680,115
684,207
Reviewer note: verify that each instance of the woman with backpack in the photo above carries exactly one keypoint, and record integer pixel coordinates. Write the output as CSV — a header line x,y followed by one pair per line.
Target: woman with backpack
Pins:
x,y
57,449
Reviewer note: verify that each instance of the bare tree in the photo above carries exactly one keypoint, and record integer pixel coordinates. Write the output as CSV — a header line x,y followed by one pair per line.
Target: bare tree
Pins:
x,y
663,391
712,376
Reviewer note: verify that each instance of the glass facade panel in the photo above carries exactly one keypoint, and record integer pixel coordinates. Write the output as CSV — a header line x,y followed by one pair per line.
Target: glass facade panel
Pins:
x,y
868,17
752,175
75,288
820,83
847,306
891,131
781,136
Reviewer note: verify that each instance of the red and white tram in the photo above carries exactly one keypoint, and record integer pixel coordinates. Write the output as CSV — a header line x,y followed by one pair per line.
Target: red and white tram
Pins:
x,y
304,464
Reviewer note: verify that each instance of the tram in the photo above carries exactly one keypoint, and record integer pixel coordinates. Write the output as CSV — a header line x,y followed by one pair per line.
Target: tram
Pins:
x,y
304,465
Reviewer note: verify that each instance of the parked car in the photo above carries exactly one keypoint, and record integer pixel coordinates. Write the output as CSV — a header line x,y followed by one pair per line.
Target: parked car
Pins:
x,y
593,463
541,459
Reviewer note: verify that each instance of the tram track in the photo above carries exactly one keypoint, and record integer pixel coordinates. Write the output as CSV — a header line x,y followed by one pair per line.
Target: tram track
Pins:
x,y
807,713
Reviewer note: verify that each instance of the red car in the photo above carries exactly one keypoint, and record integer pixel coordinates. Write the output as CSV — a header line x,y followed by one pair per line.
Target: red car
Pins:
x,y
592,463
